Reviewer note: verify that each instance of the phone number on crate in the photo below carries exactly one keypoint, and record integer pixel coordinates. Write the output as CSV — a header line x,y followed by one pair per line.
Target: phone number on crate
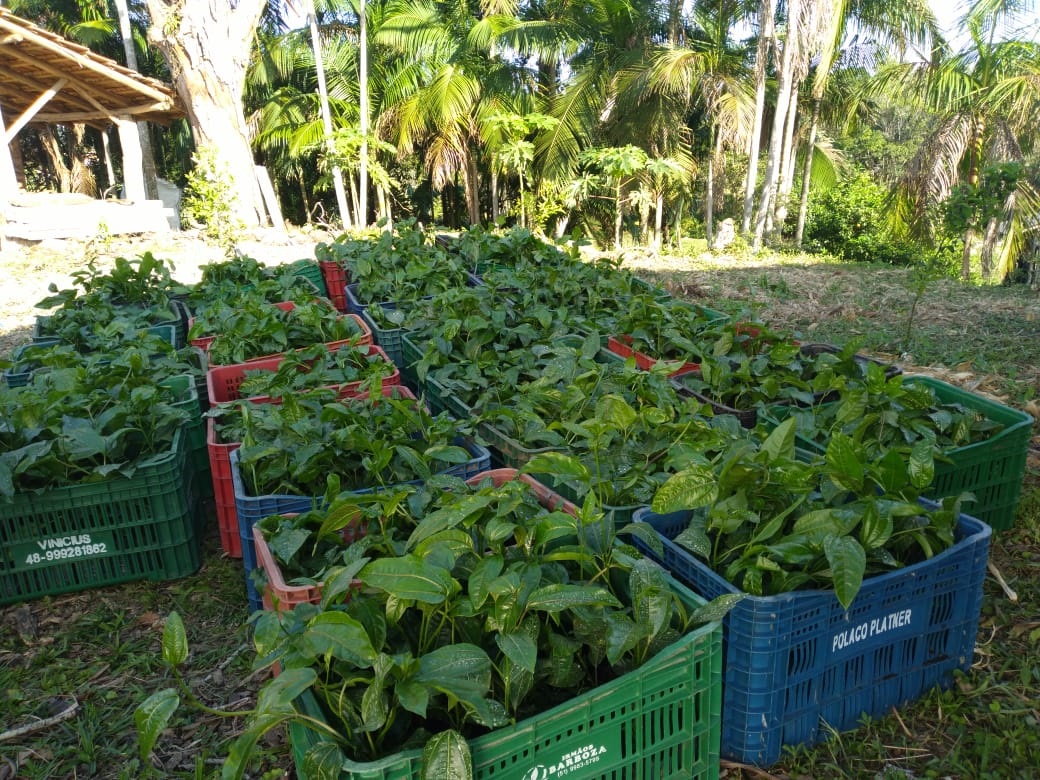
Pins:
x,y
62,553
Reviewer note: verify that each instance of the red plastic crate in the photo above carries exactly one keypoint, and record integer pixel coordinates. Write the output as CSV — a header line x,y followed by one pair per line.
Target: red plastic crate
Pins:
x,y
223,491
622,345
223,382
335,276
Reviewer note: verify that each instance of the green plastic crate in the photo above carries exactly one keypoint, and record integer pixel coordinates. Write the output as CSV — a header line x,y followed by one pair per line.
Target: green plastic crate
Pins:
x,y
661,721
993,469
412,353
311,271
387,338
101,533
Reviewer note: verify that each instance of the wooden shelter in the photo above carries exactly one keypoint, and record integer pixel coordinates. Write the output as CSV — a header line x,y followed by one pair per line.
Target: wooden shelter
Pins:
x,y
47,79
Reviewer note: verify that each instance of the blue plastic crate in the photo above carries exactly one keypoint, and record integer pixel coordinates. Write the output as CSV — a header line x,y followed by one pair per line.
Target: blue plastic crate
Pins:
x,y
797,664
250,509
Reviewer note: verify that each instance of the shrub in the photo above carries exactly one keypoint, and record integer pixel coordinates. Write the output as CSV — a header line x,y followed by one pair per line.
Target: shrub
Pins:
x,y
848,221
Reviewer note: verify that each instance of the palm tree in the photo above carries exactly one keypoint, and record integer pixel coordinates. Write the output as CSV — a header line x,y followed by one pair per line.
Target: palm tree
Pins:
x,y
463,80
897,24
985,100
710,72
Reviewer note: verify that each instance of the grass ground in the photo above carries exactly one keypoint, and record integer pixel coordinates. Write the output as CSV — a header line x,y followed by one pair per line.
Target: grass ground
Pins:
x,y
100,648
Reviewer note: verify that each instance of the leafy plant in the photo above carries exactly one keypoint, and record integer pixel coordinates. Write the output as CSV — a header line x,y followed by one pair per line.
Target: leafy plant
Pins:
x,y
446,623
294,448
209,198
87,423
317,366
93,322
770,522
223,284
883,414
254,329
143,281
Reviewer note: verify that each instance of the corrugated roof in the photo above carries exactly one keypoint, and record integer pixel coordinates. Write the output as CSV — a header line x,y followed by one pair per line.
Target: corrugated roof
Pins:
x,y
95,88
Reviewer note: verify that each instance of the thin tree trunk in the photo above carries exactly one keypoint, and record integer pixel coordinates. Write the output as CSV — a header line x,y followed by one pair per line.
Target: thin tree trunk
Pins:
x,y
776,138
969,239
988,244
617,216
144,138
810,147
766,10
709,201
304,197
659,222
494,196
472,183
787,162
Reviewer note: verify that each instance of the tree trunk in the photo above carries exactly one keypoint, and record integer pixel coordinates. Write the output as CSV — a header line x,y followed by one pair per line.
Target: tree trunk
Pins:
x,y
803,200
969,239
776,138
472,189
207,45
304,198
787,160
709,201
617,216
659,222
51,147
766,10
144,139
494,196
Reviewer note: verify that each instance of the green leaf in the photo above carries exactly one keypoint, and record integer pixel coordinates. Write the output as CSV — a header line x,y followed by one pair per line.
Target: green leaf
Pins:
x,y
448,517
848,562
287,542
820,523
151,717
279,693
520,648
691,488
558,597
651,597
174,641
446,757
409,578
243,748
922,464
694,537
716,609
461,670
844,464
342,636
616,410
448,453
780,442
483,573
558,464
323,761
875,528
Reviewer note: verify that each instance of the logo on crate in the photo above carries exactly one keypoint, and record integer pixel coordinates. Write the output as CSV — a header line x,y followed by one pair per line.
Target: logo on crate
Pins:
x,y
871,628
567,763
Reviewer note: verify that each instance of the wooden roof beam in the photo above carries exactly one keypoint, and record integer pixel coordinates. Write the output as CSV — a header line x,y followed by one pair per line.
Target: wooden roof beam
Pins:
x,y
32,111
68,96
86,62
